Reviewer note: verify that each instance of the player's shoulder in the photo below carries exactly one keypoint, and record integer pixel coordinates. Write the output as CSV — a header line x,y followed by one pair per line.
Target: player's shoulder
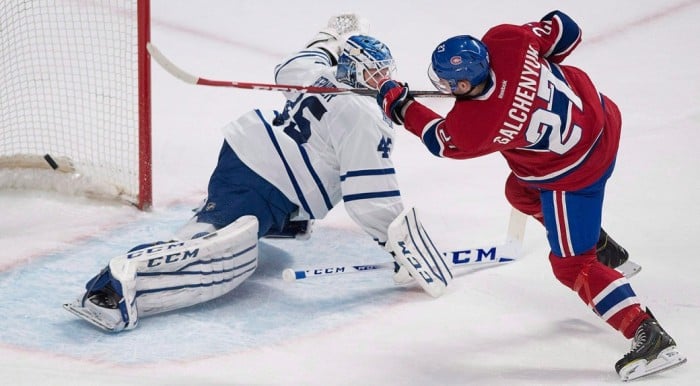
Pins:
x,y
507,43
506,29
504,34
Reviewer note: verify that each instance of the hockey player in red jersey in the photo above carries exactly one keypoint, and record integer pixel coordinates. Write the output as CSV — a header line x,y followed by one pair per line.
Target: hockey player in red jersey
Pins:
x,y
559,136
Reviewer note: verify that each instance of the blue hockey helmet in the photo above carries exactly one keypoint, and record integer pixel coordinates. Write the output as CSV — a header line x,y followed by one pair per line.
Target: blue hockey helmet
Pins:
x,y
458,58
364,61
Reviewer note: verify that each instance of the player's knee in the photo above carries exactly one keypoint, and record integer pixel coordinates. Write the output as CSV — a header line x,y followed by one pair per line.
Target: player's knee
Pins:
x,y
569,269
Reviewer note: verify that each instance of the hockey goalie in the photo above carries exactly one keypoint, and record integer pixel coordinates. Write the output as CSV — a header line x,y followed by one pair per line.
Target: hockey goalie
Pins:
x,y
277,171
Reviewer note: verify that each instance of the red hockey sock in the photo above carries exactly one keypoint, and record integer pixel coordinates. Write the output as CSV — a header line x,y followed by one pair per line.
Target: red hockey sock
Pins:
x,y
589,278
628,320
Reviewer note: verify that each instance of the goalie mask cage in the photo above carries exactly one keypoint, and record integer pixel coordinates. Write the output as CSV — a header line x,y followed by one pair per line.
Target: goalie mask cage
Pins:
x,y
75,107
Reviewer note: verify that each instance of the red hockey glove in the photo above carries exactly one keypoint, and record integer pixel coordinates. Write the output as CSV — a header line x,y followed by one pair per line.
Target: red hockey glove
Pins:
x,y
392,98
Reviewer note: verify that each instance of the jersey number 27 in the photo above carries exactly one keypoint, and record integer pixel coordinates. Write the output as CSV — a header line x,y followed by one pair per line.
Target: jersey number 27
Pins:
x,y
551,128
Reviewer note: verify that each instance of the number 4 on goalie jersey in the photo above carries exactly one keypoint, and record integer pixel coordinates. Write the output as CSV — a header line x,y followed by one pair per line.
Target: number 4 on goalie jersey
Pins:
x,y
415,251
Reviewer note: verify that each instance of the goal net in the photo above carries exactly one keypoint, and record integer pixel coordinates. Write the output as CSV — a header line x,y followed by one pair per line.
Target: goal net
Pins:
x,y
75,97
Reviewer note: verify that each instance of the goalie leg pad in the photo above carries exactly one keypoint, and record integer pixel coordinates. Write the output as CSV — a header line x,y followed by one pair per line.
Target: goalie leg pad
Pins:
x,y
200,270
414,250
173,275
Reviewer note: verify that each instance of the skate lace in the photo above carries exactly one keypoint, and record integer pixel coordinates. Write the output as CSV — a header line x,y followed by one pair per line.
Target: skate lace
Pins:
x,y
640,338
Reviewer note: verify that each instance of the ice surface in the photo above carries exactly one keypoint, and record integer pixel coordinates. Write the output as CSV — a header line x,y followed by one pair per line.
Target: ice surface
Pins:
x,y
510,325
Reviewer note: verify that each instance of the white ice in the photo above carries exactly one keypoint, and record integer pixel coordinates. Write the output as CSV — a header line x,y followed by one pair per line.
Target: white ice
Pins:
x,y
510,325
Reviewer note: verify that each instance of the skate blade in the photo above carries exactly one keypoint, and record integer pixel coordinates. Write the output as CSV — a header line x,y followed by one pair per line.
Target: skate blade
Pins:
x,y
667,359
85,314
629,268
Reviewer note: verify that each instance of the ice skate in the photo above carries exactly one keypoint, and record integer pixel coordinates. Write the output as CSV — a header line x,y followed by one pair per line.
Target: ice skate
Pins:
x,y
615,256
101,308
653,350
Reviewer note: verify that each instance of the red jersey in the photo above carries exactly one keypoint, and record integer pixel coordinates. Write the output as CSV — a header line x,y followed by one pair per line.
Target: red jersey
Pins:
x,y
554,129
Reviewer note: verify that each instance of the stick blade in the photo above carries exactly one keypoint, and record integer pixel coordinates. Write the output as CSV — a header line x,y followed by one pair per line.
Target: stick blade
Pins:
x,y
169,66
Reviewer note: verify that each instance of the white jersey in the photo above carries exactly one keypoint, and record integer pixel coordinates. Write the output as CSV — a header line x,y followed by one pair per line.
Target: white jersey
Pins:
x,y
323,148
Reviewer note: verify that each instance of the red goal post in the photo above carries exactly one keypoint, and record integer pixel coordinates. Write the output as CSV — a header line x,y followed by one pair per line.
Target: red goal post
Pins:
x,y
75,98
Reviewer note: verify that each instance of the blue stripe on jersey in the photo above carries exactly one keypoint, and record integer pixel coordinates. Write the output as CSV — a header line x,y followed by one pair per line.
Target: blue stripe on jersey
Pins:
x,y
368,172
323,57
290,173
364,196
614,298
317,179
431,140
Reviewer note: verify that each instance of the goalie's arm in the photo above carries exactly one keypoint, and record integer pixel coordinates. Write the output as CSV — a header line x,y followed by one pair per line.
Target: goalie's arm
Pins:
x,y
320,53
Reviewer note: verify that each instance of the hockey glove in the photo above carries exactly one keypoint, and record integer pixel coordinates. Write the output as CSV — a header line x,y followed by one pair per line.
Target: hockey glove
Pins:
x,y
393,97
331,38
327,42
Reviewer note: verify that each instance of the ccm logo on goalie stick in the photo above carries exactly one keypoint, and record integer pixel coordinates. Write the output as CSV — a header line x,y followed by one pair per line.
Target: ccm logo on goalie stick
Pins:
x,y
427,277
465,256
322,271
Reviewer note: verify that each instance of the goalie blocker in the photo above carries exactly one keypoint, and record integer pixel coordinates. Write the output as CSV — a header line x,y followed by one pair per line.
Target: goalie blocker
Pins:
x,y
169,276
411,246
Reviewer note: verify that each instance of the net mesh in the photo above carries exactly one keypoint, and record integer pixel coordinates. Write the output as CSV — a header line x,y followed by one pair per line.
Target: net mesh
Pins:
x,y
69,88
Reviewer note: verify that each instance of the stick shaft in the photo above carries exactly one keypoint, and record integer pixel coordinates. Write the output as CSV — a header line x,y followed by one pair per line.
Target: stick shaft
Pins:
x,y
189,78
467,258
459,259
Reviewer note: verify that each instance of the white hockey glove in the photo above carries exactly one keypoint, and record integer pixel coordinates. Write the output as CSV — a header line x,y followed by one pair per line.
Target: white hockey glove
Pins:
x,y
339,28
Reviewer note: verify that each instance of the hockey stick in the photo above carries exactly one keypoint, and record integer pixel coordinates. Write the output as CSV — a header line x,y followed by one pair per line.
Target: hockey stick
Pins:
x,y
461,259
186,77
488,256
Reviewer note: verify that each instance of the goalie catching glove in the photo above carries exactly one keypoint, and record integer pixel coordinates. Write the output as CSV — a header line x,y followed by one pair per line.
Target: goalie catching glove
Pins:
x,y
331,38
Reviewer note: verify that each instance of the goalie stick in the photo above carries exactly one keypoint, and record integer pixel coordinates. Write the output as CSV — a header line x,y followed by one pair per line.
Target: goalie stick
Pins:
x,y
466,258
459,259
186,77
